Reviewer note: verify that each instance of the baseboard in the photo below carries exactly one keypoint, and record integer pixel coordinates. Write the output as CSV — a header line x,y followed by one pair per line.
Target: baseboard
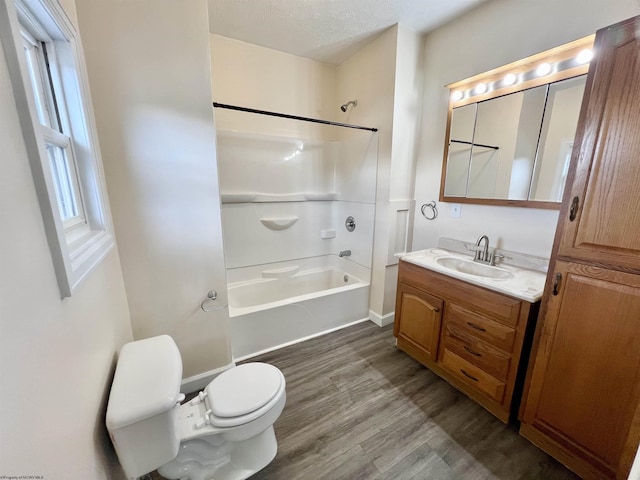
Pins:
x,y
383,320
198,382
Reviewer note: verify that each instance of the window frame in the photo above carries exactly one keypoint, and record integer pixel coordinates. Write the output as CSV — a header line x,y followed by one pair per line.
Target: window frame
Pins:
x,y
77,244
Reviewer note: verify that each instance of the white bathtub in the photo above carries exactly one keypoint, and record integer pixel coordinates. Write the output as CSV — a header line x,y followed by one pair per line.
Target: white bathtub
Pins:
x,y
285,305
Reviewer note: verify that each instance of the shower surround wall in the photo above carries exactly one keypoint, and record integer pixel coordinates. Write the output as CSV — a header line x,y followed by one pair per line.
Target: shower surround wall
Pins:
x,y
385,78
284,205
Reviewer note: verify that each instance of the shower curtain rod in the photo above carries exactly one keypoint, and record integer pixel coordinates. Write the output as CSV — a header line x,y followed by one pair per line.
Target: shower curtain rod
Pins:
x,y
292,117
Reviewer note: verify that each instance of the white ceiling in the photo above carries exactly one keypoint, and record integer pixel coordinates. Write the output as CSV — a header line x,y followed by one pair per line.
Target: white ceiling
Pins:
x,y
325,30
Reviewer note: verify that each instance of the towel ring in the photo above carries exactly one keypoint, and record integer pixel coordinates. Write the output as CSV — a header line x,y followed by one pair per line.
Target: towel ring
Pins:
x,y
211,297
433,213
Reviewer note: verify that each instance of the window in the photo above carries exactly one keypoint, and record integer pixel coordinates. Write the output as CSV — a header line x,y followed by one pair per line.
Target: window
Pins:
x,y
51,110
49,82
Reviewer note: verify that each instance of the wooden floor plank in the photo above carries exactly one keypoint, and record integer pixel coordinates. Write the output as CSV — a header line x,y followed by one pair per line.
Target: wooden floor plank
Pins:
x,y
358,408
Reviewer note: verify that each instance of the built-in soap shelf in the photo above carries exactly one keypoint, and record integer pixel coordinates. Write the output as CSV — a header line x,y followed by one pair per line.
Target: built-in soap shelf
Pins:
x,y
248,197
278,223
280,272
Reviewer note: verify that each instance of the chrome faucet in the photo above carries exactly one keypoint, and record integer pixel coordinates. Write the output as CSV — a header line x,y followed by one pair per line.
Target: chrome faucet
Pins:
x,y
483,255
345,253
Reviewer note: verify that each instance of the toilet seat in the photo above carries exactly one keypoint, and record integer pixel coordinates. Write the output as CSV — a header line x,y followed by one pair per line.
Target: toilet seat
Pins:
x,y
242,394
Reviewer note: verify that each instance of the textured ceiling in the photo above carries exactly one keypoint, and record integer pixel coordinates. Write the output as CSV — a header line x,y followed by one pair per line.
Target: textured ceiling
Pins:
x,y
325,30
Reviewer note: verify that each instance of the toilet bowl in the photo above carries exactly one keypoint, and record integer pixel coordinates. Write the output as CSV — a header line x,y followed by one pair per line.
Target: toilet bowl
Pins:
x,y
224,433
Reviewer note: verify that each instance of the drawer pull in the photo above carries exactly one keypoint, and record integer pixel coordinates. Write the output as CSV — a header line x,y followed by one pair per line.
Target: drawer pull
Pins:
x,y
476,327
468,376
472,352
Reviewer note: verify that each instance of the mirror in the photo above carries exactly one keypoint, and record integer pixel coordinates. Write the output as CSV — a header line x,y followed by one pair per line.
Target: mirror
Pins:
x,y
515,147
556,139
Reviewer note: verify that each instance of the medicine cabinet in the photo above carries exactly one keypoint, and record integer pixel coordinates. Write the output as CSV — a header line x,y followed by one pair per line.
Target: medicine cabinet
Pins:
x,y
510,131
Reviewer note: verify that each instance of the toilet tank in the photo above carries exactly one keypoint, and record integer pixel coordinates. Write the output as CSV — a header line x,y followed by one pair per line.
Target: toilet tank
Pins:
x,y
142,409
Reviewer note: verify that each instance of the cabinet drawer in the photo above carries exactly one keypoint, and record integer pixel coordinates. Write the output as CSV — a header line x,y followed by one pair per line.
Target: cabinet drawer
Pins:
x,y
478,353
484,328
473,376
502,308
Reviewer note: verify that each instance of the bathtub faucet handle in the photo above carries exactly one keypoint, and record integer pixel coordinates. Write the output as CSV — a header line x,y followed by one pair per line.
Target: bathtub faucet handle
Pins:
x,y
345,253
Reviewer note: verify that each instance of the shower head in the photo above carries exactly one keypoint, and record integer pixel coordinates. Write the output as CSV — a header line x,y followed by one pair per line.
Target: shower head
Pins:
x,y
346,105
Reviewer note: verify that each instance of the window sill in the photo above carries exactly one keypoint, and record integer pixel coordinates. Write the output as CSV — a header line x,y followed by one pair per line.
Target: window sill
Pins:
x,y
86,253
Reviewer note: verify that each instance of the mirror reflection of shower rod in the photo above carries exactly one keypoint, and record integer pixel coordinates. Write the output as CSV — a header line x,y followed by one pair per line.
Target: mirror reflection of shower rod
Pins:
x,y
292,117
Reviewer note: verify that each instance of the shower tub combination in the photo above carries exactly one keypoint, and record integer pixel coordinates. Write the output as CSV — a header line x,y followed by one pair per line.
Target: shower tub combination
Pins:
x,y
272,306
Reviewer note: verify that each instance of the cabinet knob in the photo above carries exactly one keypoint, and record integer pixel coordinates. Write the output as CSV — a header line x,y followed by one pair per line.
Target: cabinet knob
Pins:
x,y
573,211
556,283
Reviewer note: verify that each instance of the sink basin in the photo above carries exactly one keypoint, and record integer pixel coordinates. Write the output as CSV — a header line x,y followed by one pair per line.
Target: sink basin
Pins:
x,y
473,268
520,282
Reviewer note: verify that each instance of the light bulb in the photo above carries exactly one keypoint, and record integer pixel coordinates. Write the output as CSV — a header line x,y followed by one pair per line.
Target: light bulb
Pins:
x,y
457,95
509,79
584,56
480,88
543,69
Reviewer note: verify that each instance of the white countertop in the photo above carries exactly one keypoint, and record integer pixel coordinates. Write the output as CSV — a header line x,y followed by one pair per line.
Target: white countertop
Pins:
x,y
522,283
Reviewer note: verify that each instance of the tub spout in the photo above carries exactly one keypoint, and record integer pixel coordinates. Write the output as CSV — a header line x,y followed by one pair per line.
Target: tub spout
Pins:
x,y
345,253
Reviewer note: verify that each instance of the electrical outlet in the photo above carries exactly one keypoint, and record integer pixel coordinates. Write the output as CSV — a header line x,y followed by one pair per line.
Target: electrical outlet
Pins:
x,y
455,210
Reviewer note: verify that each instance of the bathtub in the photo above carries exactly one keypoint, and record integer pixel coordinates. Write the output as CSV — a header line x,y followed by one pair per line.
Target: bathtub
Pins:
x,y
281,305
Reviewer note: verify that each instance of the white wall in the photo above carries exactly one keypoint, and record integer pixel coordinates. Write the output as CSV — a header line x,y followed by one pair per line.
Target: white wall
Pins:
x,y
409,78
149,70
494,34
56,356
265,79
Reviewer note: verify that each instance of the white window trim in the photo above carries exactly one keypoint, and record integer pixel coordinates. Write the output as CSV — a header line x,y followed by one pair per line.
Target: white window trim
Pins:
x,y
75,251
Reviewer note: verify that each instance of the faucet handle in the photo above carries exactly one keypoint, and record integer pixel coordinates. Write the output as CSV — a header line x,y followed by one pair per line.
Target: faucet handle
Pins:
x,y
494,256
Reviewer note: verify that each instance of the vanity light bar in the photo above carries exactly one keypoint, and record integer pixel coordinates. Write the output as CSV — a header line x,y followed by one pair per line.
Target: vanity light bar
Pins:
x,y
566,61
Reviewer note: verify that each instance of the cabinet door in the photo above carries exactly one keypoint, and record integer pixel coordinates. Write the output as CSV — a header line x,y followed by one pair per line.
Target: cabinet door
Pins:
x,y
418,319
600,217
585,382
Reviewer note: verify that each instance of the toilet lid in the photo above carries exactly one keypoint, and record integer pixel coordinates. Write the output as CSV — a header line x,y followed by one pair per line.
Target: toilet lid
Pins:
x,y
243,389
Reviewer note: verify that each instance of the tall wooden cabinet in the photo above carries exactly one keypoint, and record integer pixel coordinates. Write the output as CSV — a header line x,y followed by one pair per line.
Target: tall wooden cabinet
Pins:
x,y
583,387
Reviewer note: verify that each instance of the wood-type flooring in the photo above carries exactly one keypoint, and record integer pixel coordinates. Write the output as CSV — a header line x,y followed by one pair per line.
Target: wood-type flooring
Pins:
x,y
358,408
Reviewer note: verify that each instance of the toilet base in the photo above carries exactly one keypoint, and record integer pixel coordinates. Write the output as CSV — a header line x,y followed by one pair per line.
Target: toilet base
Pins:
x,y
213,458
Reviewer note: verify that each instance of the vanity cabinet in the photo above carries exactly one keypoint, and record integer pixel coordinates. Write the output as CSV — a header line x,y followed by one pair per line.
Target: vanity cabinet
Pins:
x,y
472,337
582,401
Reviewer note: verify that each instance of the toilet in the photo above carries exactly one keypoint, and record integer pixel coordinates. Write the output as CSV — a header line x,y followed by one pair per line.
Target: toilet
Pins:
x,y
225,433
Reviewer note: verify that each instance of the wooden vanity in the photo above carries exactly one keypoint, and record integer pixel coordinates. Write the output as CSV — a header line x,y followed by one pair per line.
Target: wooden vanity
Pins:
x,y
472,337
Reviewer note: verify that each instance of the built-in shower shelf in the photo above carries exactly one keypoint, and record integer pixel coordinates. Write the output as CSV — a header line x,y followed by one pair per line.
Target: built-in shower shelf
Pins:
x,y
277,197
280,272
278,223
